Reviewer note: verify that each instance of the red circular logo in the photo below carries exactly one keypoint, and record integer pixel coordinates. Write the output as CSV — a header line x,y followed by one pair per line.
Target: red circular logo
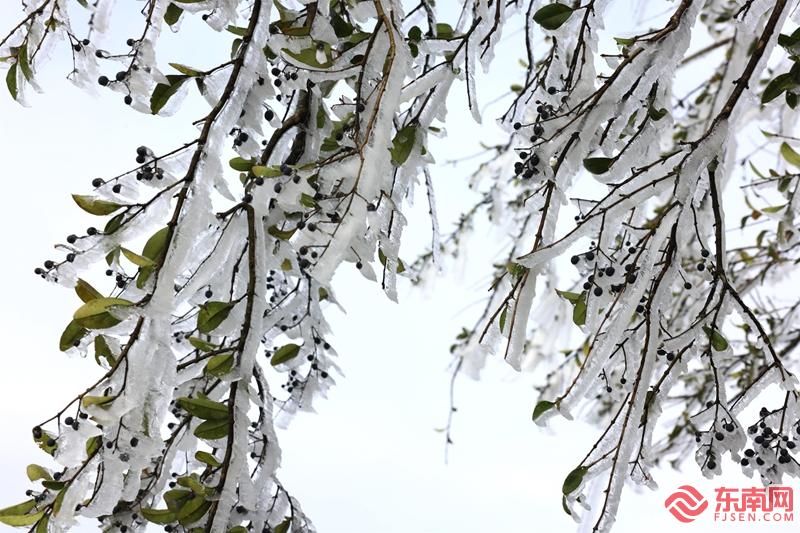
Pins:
x,y
686,503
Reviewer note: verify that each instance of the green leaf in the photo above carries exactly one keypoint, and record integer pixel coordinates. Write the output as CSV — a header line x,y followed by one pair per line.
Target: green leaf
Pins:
x,y
573,480
22,60
102,349
718,342
202,345
777,86
73,333
95,206
241,164
308,56
212,314
285,353
443,31
341,27
164,91
382,258
788,41
564,505
177,498
552,16
516,270
282,234
188,71
571,297
308,201
36,472
93,444
173,14
11,81
192,482
194,510
656,114
207,458
579,311
541,408
415,33
502,319
42,443
95,315
19,509
89,401
578,302
598,165
21,520
114,223
155,245
219,365
212,429
205,409
159,516
58,502
42,526
402,144
137,259
86,292
283,527
236,30
788,153
265,172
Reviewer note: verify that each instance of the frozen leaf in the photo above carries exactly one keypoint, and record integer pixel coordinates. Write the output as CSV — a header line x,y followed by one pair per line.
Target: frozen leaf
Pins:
x,y
94,314
159,516
573,480
241,164
205,409
285,353
72,334
95,206
777,86
89,401
172,14
552,16
598,165
718,342
212,314
194,510
11,81
207,458
541,408
283,527
789,154
403,143
36,472
85,291
164,91
221,364
212,429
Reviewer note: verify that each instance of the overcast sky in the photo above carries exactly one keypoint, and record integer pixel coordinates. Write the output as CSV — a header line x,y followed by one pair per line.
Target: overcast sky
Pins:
x,y
371,460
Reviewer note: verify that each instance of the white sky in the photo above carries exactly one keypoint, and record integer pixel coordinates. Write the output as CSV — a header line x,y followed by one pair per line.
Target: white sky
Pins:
x,y
370,461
